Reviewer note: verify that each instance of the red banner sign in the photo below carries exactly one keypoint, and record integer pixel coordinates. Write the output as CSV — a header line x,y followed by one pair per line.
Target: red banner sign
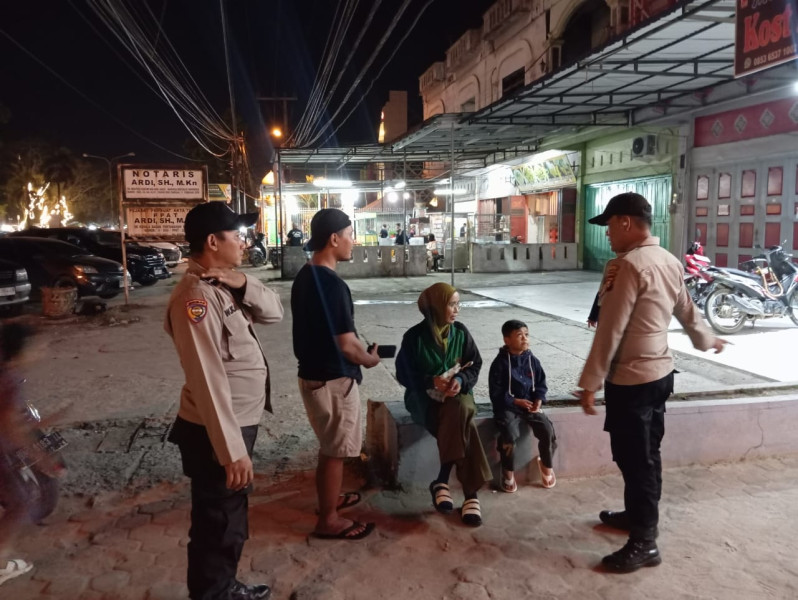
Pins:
x,y
766,34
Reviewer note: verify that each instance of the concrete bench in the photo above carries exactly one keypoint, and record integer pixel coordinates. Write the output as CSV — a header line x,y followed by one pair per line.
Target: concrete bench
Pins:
x,y
403,454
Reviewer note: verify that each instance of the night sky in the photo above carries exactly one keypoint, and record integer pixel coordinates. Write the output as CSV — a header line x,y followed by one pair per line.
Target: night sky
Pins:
x,y
100,105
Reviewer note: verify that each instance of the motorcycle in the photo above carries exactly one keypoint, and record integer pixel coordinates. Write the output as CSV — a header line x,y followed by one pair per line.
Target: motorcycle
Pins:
x,y
256,252
765,287
699,274
38,466
275,256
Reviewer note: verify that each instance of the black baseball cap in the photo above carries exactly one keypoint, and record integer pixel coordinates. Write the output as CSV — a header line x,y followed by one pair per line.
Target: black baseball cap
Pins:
x,y
627,204
210,217
325,223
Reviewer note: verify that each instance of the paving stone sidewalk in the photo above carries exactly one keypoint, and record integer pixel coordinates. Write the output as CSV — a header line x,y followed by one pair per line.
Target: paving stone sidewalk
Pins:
x,y
727,531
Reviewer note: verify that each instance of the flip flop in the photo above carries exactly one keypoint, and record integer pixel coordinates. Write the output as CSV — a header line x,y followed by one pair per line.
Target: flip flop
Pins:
x,y
509,485
547,481
14,568
348,500
346,534
441,497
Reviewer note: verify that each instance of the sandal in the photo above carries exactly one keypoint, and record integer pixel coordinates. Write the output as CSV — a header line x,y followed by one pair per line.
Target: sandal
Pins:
x,y
441,497
547,481
347,534
471,512
348,500
14,568
509,485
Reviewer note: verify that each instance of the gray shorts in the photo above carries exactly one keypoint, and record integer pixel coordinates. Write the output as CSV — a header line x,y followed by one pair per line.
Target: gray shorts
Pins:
x,y
333,409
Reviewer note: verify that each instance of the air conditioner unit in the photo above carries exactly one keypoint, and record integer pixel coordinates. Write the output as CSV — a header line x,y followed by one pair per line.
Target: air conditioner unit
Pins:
x,y
644,146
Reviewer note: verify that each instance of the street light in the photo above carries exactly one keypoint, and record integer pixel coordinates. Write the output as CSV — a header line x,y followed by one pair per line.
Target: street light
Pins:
x,y
109,162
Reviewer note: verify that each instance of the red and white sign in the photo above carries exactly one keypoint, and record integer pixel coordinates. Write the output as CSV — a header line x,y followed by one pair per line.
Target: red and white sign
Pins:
x,y
766,34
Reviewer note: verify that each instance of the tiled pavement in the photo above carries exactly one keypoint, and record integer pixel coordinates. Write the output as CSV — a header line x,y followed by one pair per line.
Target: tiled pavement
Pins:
x,y
727,531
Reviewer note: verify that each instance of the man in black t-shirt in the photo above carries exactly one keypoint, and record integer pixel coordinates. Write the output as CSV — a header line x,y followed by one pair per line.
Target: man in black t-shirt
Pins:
x,y
330,356
294,236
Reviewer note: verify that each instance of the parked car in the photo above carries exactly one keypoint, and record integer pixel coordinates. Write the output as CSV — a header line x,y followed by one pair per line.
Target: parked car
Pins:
x,y
53,263
146,265
171,253
14,287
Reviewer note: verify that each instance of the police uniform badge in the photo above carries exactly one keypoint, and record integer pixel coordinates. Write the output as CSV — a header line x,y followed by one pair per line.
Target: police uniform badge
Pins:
x,y
196,309
607,282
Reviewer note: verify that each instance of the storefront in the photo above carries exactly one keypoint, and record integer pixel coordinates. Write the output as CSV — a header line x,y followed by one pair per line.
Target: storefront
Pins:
x,y
531,203
745,180
633,161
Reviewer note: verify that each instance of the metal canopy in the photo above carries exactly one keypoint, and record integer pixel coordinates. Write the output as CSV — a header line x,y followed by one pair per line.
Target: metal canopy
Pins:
x,y
429,142
681,61
664,67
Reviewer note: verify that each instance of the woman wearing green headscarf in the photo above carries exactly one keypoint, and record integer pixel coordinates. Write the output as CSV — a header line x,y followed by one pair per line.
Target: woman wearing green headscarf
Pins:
x,y
439,365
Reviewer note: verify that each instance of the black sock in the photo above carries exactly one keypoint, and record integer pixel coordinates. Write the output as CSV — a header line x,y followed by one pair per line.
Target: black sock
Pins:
x,y
471,496
444,473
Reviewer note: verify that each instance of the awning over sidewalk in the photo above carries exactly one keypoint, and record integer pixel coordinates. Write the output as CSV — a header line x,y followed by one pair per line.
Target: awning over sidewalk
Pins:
x,y
680,61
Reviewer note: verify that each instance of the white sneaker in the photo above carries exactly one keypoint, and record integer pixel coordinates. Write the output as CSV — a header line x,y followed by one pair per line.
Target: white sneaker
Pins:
x,y
14,568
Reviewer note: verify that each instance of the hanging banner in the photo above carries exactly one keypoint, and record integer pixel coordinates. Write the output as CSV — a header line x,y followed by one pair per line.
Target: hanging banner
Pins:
x,y
766,34
547,174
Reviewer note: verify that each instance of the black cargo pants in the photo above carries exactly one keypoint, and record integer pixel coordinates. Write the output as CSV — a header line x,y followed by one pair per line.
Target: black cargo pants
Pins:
x,y
635,420
219,525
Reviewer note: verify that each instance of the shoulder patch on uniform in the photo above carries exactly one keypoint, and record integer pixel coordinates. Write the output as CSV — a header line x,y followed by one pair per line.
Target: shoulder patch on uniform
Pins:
x,y
196,310
609,279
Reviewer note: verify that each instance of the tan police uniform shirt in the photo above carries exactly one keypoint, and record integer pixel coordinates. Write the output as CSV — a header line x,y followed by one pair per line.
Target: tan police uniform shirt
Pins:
x,y
227,378
640,291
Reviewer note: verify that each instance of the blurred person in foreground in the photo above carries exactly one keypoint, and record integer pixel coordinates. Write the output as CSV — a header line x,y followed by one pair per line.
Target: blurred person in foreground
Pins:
x,y
210,318
642,288
14,434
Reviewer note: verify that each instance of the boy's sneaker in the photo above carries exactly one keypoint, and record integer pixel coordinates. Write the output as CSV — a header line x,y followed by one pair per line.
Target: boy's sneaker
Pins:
x,y
242,591
14,568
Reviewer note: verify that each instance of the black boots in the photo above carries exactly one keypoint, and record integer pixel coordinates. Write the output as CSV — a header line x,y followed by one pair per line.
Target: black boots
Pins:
x,y
616,519
620,520
635,554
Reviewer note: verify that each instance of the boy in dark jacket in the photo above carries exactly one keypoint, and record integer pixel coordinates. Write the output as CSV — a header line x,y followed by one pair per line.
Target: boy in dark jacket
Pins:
x,y
518,388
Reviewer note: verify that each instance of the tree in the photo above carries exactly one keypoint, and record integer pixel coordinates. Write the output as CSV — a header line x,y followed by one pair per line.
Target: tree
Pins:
x,y
59,168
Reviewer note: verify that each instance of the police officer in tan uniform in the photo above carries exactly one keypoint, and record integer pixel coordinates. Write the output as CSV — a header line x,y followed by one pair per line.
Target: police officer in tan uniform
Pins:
x,y
210,319
641,289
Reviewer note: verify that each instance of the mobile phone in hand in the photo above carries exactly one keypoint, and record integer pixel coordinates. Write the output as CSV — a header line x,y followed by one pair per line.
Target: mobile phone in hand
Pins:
x,y
386,351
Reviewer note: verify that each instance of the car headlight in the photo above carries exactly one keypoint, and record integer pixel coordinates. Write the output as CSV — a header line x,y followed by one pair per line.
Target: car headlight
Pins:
x,y
21,275
134,256
85,270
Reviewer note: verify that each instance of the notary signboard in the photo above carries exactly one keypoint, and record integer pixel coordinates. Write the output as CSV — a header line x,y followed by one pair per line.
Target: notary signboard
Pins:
x,y
156,222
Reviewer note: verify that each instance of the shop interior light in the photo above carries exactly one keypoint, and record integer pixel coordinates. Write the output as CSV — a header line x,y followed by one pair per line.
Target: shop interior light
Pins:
x,y
331,183
448,192
795,87
399,185
392,196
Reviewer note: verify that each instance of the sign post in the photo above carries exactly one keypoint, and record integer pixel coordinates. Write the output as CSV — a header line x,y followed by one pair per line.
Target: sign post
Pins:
x,y
154,201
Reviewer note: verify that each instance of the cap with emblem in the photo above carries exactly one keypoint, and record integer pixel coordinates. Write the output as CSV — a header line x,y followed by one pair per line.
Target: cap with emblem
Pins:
x,y
210,217
325,223
628,204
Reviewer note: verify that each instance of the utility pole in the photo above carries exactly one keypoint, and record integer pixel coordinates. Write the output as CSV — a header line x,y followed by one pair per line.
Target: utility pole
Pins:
x,y
234,165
